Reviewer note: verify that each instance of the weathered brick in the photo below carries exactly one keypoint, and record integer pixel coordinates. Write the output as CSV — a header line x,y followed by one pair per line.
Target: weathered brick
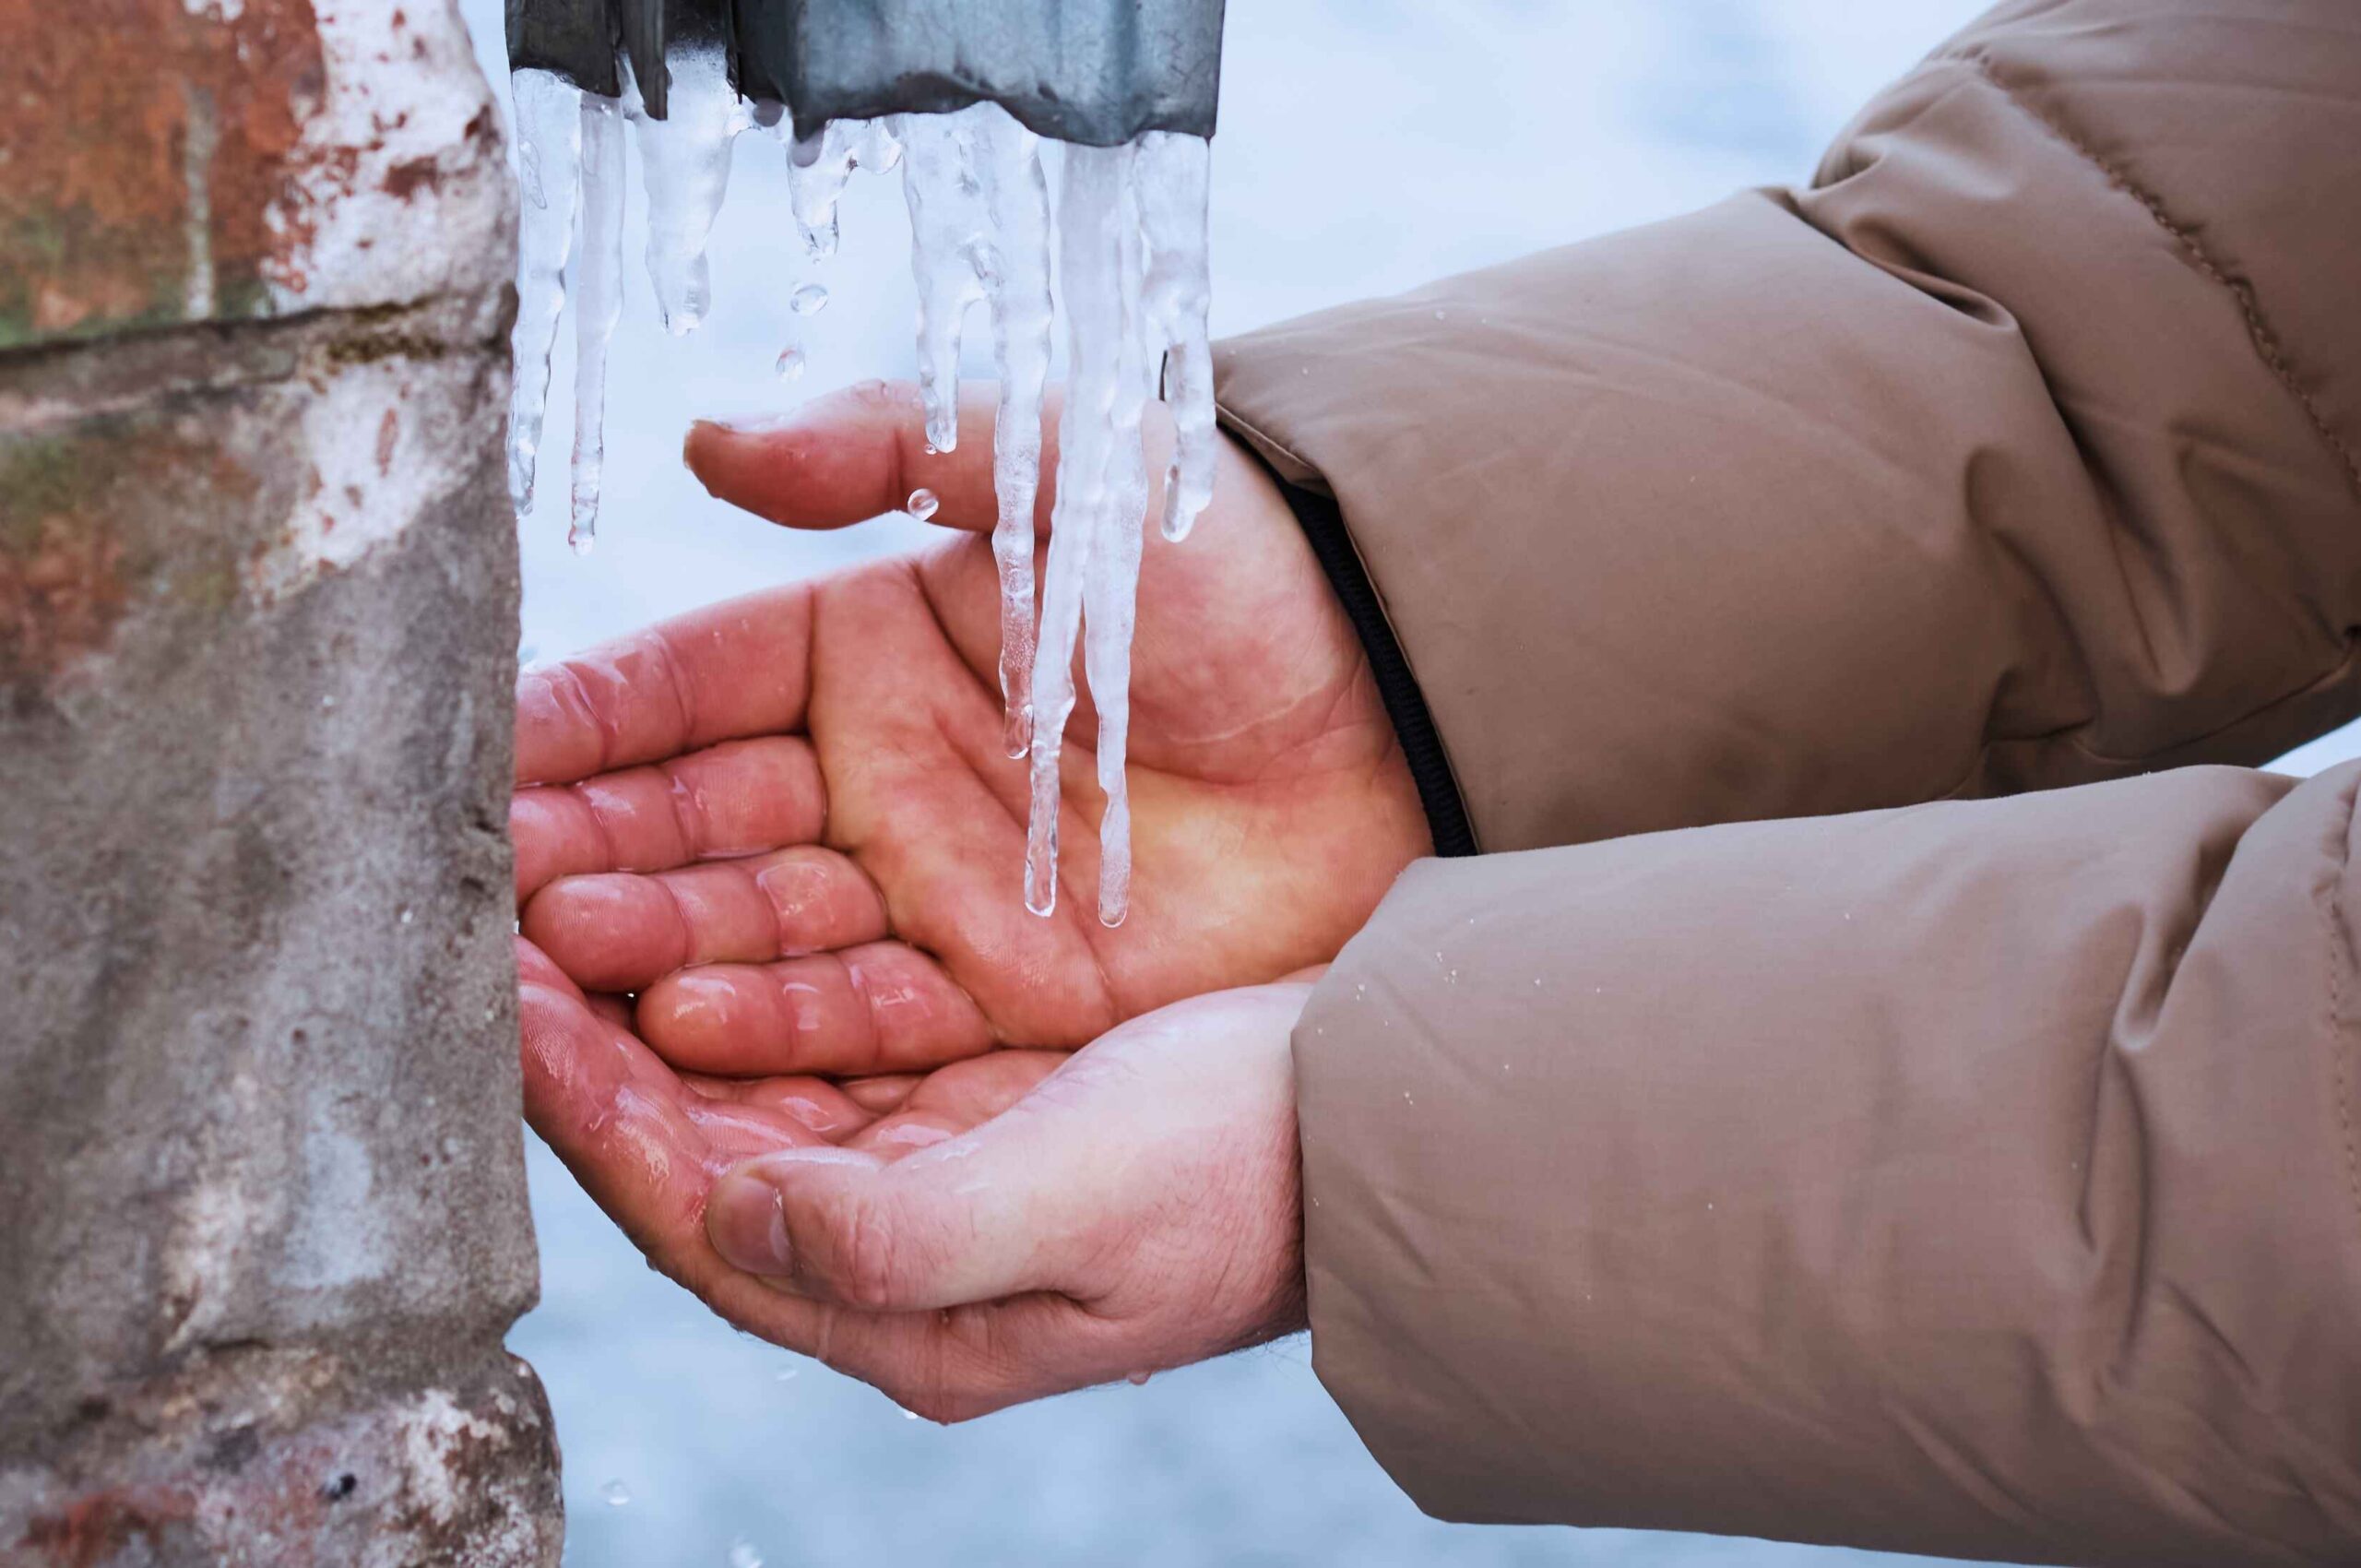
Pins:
x,y
259,1144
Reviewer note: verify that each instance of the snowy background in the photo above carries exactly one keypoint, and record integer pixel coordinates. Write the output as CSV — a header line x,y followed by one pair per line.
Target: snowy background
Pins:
x,y
1367,146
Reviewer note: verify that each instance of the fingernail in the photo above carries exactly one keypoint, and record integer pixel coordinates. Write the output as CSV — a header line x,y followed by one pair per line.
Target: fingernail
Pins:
x,y
755,424
746,1220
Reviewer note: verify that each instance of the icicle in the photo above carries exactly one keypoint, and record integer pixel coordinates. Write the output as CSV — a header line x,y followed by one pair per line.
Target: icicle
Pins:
x,y
685,159
817,168
598,304
1097,258
1111,575
548,112
1173,175
1132,260
949,229
1016,285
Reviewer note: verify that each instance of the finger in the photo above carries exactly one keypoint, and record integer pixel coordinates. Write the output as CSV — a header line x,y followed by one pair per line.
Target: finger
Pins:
x,y
855,453
622,1123
626,1130
882,1092
947,1366
950,1101
816,1103
1006,1209
726,671
738,798
622,932
880,1008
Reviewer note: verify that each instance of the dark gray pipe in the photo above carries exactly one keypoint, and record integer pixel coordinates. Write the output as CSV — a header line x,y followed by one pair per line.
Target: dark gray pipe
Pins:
x,y
1093,71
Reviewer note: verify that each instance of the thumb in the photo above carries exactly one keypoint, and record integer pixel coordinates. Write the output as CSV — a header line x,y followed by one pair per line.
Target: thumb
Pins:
x,y
1003,1210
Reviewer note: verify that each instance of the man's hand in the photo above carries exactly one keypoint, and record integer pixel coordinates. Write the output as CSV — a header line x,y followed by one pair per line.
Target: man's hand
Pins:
x,y
789,825
1065,1219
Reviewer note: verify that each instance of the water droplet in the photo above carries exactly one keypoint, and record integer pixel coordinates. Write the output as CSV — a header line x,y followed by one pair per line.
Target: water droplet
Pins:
x,y
580,540
743,1555
922,504
810,300
1137,1380
909,1415
616,1493
790,363
1437,315
788,1374
406,916
451,1147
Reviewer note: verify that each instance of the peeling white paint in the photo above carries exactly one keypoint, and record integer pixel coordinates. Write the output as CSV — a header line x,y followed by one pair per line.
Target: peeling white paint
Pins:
x,y
384,451
431,1434
402,185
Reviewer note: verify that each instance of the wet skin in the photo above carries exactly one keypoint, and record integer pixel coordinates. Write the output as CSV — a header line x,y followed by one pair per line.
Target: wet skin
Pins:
x,y
769,860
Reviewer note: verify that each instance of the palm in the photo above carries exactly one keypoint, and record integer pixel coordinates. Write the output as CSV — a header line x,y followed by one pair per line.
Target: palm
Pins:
x,y
843,895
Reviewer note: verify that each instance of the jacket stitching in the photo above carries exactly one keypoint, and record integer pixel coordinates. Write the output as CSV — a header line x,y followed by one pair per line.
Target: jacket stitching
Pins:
x,y
2339,948
2266,343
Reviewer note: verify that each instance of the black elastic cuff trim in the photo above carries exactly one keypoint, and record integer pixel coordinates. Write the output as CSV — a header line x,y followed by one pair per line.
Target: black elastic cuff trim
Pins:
x,y
1323,525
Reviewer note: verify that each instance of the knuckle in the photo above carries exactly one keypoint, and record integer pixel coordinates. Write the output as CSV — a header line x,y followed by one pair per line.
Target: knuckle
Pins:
x,y
867,1255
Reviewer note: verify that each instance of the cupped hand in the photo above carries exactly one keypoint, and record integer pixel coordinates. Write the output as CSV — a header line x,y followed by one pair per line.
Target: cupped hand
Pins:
x,y
1008,1227
788,823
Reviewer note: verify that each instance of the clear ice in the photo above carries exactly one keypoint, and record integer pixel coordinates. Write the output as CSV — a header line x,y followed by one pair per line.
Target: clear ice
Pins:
x,y
1173,179
598,306
549,148
818,167
1095,524
685,159
1016,284
1129,241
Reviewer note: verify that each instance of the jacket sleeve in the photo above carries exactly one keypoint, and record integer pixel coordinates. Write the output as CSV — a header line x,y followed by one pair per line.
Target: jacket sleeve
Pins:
x,y
1974,1178
2020,451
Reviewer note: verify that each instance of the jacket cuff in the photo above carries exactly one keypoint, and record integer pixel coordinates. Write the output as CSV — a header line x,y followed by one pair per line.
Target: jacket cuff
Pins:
x,y
1397,684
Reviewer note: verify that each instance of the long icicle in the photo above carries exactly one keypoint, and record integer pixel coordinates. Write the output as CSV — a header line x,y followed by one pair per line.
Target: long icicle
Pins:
x,y
598,306
548,152
1091,218
1016,286
1111,576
